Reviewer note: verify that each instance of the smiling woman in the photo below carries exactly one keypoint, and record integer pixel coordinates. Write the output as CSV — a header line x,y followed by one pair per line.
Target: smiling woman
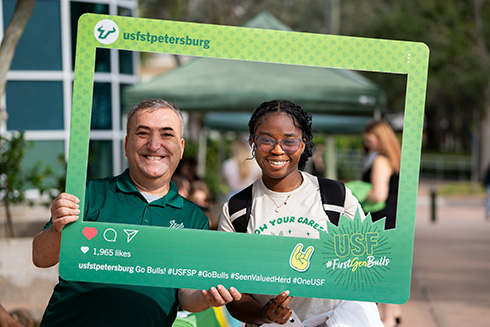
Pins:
x,y
279,144
287,202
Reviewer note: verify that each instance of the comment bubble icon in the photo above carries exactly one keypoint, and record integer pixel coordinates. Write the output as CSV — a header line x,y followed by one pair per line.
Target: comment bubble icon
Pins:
x,y
110,235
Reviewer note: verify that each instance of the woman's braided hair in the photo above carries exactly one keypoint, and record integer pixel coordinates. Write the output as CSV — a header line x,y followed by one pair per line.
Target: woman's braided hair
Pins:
x,y
301,119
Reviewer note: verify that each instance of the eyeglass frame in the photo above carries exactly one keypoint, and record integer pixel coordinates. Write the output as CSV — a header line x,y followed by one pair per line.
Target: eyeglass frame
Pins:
x,y
277,142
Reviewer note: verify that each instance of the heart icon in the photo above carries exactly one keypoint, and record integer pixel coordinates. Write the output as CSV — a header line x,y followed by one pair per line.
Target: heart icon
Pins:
x,y
84,249
89,232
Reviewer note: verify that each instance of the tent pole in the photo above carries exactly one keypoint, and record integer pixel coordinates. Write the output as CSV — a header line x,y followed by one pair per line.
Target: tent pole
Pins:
x,y
330,157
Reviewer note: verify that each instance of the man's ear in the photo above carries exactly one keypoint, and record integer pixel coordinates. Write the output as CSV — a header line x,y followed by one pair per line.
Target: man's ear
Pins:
x,y
182,145
126,145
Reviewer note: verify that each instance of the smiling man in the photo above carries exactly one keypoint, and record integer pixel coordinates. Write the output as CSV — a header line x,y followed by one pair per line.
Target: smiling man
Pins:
x,y
154,145
141,195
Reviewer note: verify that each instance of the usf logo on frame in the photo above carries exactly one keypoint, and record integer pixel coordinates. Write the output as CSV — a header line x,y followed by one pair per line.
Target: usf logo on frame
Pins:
x,y
106,31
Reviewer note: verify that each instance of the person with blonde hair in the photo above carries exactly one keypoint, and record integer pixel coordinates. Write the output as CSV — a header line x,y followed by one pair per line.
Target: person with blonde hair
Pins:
x,y
241,169
382,171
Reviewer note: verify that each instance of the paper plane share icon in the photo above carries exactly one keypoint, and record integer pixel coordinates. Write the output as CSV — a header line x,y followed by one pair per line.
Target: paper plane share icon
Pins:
x,y
131,233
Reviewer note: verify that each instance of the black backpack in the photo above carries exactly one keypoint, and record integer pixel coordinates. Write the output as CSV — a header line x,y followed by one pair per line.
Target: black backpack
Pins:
x,y
332,192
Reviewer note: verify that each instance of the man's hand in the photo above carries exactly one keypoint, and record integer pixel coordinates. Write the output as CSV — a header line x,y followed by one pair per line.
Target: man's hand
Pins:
x,y
46,244
277,309
64,210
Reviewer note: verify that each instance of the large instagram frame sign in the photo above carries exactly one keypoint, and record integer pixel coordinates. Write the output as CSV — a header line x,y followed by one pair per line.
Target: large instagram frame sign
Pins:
x,y
356,260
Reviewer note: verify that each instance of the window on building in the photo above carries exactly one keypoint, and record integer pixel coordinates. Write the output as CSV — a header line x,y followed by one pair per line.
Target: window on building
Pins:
x,y
41,36
99,159
34,105
101,107
47,154
124,107
126,62
103,58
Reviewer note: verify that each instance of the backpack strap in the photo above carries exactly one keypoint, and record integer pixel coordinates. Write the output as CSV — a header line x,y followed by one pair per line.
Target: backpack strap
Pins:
x,y
239,207
332,194
333,198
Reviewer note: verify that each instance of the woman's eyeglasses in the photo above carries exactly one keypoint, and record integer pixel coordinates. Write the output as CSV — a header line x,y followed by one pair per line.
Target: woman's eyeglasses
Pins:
x,y
289,145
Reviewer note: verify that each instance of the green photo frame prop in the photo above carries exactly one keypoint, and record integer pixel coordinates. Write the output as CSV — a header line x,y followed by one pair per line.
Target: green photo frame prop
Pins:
x,y
357,260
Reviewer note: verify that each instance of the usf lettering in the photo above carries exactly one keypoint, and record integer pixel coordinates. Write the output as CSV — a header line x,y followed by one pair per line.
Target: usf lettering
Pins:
x,y
356,244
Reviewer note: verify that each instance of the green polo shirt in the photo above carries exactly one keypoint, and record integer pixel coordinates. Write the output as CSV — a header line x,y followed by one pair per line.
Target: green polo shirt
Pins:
x,y
116,200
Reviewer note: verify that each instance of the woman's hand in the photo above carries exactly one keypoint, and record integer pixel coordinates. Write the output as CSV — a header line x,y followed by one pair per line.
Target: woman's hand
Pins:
x,y
277,309
219,296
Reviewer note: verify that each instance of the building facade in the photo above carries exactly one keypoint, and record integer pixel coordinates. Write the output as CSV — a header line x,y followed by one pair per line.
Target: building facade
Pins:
x,y
40,81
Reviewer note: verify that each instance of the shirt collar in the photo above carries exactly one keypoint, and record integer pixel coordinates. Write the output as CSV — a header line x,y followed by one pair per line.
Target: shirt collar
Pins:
x,y
125,184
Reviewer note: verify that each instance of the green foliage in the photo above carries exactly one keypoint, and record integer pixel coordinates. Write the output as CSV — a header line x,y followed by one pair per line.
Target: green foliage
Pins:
x,y
212,175
295,14
213,168
460,189
457,34
60,180
349,142
14,180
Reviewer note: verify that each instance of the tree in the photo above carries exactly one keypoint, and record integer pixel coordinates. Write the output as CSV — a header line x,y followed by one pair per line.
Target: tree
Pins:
x,y
312,17
15,28
11,37
457,33
14,180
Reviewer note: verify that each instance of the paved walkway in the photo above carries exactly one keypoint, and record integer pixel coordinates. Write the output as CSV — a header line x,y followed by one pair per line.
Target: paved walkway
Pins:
x,y
451,265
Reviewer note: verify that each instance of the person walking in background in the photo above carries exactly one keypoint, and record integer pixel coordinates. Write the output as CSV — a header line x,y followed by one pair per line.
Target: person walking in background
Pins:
x,y
382,170
486,184
183,184
200,194
241,169
281,138
188,167
318,166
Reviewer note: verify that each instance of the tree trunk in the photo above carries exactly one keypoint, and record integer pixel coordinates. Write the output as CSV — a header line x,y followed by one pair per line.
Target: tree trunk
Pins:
x,y
11,37
484,61
484,141
9,230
